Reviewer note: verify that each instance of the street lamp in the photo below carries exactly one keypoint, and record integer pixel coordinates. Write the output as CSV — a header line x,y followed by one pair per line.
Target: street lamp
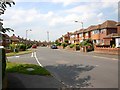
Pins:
x,y
82,28
26,36
27,33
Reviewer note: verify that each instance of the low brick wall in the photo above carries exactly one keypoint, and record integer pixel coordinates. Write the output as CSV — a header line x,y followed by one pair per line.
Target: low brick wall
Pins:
x,y
71,49
60,47
107,50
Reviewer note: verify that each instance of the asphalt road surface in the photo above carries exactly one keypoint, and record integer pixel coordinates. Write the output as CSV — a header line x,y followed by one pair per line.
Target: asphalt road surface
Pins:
x,y
75,69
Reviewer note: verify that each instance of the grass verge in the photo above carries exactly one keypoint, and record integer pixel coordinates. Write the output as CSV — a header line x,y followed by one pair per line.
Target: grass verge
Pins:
x,y
22,68
19,53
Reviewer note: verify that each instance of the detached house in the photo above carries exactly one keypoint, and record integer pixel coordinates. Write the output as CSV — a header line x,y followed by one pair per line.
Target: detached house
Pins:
x,y
14,39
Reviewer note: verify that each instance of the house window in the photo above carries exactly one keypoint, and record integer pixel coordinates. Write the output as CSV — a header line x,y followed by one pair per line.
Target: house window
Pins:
x,y
95,32
81,35
86,34
103,30
72,36
76,36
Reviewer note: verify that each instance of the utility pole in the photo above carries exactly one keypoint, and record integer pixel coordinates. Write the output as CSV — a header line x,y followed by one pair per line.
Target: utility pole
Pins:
x,y
48,36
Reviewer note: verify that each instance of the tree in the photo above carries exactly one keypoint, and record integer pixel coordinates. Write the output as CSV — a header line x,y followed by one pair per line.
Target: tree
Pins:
x,y
6,30
4,3
3,6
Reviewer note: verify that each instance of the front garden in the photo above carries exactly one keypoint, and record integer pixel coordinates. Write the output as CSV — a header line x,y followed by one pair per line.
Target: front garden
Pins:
x,y
84,46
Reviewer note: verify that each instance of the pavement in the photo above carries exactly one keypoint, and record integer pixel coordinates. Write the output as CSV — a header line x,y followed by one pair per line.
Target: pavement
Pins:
x,y
16,80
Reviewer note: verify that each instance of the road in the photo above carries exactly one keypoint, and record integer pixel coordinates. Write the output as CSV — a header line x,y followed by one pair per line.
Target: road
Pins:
x,y
75,69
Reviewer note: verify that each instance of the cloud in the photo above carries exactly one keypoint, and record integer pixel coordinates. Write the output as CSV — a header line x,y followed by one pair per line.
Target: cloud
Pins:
x,y
57,22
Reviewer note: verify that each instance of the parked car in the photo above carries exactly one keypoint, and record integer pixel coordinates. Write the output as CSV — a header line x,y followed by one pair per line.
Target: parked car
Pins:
x,y
34,46
54,46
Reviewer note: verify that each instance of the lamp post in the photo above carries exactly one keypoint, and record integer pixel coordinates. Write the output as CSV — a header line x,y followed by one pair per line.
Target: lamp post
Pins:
x,y
82,28
27,33
82,34
26,36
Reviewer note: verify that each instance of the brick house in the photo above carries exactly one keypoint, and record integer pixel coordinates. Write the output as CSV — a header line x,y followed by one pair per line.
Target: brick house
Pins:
x,y
14,39
81,35
72,38
66,37
60,40
98,33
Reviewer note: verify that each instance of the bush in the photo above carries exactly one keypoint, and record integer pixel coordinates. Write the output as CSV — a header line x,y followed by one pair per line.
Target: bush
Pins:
x,y
29,46
23,47
87,43
64,45
14,47
72,45
66,41
77,47
58,44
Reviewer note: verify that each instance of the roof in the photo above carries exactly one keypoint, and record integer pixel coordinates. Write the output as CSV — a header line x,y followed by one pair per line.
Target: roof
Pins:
x,y
6,36
109,24
118,24
14,38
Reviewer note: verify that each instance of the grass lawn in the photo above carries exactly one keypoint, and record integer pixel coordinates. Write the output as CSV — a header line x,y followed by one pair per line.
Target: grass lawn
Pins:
x,y
19,53
22,68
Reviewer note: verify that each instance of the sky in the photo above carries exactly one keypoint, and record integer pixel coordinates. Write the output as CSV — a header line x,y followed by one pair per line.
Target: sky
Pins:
x,y
56,16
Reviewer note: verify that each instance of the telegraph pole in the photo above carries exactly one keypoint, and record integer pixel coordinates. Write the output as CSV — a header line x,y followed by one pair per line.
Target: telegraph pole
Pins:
x,y
48,35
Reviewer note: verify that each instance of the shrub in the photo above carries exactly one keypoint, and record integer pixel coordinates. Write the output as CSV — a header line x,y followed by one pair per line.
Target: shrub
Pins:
x,y
77,47
23,47
14,47
72,45
64,45
66,41
29,46
58,44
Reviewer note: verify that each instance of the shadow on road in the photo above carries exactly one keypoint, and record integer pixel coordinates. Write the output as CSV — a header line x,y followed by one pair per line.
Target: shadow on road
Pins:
x,y
71,75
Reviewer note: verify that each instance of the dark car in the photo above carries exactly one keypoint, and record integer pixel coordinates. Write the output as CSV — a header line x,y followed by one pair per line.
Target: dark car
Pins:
x,y
54,47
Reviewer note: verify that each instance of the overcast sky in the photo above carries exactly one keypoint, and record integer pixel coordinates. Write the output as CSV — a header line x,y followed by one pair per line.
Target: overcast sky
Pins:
x,y
57,16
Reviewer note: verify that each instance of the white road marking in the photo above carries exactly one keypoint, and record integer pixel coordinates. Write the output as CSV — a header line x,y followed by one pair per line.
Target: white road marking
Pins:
x,y
17,56
14,57
32,54
37,59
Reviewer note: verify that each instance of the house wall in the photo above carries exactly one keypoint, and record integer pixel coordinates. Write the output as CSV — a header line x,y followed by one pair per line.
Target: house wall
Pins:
x,y
95,36
86,36
107,41
118,30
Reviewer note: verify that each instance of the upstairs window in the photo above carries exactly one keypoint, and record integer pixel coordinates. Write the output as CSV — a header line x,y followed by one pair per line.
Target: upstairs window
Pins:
x,y
81,35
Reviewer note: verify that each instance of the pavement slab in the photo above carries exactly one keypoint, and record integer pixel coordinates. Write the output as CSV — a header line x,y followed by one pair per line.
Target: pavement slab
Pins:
x,y
16,80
